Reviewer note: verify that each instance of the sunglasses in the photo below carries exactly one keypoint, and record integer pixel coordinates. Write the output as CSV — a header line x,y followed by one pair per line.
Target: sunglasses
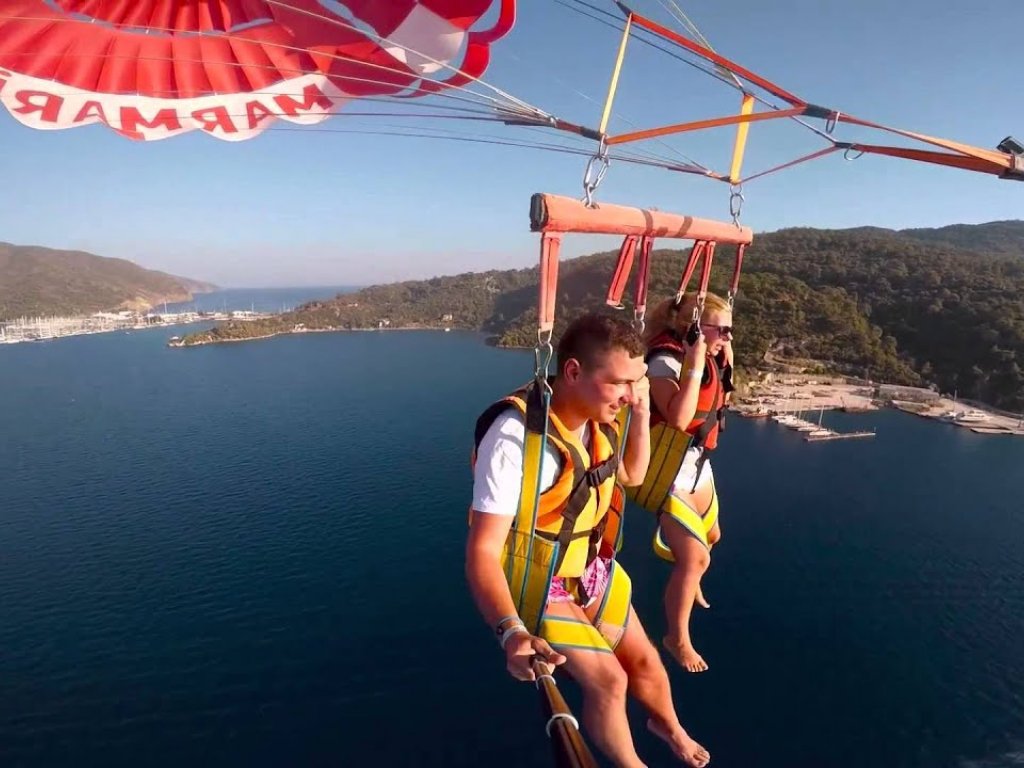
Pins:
x,y
724,330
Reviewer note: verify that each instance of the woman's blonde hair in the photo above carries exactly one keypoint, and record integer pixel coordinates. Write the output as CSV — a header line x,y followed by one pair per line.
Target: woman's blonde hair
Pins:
x,y
664,318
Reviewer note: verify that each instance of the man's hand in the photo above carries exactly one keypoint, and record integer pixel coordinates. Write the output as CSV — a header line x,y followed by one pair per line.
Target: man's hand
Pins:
x,y
641,399
520,650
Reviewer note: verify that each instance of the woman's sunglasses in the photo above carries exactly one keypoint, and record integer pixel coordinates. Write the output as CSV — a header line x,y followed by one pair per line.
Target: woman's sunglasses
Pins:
x,y
723,330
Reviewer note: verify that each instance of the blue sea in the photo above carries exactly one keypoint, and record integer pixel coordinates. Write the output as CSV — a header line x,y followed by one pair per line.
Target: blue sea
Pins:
x,y
252,555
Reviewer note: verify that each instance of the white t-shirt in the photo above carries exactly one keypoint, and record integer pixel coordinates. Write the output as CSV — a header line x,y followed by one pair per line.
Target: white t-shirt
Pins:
x,y
498,474
666,366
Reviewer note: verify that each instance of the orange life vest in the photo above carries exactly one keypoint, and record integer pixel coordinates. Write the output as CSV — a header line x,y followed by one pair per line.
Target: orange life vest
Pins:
x,y
581,511
706,422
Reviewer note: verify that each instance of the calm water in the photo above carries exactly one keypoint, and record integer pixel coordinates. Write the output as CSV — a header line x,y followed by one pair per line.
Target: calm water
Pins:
x,y
257,299
251,555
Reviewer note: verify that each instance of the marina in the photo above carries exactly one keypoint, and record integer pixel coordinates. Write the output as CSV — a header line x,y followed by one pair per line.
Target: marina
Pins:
x,y
788,400
29,329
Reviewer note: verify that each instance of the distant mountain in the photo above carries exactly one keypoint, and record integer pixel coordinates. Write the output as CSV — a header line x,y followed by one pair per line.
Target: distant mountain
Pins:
x,y
910,307
43,281
994,237
1001,237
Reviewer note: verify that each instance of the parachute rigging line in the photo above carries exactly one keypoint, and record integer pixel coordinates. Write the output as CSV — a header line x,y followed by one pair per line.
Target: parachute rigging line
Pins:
x,y
511,105
461,73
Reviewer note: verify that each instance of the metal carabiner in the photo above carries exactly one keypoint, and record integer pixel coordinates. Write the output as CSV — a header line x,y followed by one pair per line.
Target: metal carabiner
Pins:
x,y
735,202
597,167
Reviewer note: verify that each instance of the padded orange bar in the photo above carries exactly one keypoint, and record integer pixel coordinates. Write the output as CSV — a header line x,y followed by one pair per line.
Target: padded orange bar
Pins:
x,y
555,213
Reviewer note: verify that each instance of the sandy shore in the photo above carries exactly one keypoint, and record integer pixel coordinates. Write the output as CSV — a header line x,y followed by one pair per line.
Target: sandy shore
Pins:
x,y
808,398
812,396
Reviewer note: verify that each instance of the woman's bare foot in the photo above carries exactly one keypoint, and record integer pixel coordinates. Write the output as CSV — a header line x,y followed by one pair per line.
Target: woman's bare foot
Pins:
x,y
699,598
684,747
685,654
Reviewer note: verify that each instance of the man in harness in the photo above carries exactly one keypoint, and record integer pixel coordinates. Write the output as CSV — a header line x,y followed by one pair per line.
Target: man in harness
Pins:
x,y
540,554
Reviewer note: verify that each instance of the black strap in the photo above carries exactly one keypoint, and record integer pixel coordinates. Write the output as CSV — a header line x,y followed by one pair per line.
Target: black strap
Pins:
x,y
585,483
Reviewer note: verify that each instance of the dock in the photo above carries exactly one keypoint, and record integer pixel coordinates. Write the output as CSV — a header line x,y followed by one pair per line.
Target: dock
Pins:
x,y
838,436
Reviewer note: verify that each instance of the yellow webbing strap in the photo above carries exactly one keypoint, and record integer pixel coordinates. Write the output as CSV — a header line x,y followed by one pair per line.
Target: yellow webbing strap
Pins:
x,y
609,624
698,526
524,550
668,447
563,632
613,615
742,129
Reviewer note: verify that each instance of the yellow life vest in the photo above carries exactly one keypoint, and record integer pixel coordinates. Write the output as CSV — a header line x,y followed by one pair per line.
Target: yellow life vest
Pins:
x,y
558,532
669,445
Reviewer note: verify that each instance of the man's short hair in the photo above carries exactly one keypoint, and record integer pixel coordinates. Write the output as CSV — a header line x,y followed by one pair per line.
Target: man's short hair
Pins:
x,y
592,336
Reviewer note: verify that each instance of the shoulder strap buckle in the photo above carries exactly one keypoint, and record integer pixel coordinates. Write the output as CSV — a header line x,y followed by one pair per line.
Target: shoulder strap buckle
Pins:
x,y
597,474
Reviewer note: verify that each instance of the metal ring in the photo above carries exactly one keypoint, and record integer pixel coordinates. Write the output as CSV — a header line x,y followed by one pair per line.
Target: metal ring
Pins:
x,y
549,677
830,123
736,202
639,321
847,156
561,716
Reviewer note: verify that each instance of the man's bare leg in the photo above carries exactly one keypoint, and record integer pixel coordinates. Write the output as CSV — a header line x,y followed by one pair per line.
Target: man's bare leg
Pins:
x,y
604,685
649,684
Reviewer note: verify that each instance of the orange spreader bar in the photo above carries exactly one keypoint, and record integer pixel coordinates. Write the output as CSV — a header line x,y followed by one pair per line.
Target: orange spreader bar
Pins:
x,y
697,125
967,157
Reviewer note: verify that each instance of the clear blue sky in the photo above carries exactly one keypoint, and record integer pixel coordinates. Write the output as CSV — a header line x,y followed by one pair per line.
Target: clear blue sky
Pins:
x,y
302,208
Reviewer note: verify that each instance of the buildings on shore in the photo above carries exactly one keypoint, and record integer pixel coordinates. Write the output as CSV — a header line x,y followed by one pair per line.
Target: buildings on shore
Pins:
x,y
53,327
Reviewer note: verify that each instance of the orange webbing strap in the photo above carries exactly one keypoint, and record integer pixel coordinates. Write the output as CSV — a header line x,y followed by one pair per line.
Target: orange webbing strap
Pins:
x,y
940,158
702,250
791,163
709,55
642,278
696,254
991,156
550,244
705,275
734,285
622,268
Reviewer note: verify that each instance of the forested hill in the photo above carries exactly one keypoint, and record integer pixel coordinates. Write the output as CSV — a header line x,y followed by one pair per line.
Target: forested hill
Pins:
x,y
942,306
45,281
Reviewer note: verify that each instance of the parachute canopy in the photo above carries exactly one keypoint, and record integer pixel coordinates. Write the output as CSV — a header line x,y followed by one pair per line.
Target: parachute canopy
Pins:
x,y
152,69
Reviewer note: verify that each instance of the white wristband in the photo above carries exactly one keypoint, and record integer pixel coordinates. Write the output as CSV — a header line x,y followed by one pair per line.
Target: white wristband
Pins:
x,y
515,629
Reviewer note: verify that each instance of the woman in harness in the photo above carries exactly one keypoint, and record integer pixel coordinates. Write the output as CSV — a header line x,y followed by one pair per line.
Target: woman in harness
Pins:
x,y
690,370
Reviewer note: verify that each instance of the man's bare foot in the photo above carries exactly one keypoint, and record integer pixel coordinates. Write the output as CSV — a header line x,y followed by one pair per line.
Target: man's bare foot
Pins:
x,y
699,598
684,747
685,655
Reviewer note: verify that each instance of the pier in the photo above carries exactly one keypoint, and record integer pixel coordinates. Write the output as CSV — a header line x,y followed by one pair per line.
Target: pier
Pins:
x,y
839,436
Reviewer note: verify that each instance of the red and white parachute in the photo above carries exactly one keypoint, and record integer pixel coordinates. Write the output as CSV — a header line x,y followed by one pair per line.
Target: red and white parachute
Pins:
x,y
152,69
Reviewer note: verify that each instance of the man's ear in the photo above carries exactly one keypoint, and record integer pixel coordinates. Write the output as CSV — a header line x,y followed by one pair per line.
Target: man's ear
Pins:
x,y
572,370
